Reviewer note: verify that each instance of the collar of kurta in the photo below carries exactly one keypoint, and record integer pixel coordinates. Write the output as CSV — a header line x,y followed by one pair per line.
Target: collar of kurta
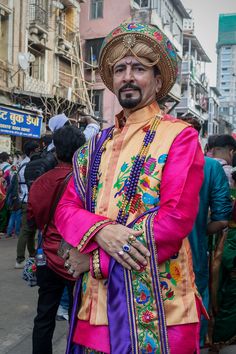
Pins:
x,y
141,115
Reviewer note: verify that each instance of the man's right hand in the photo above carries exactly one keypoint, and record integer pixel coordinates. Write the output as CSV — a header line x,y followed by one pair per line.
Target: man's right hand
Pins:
x,y
112,239
77,263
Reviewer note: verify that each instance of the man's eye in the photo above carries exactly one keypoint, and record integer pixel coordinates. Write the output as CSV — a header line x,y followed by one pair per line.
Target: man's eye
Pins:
x,y
119,70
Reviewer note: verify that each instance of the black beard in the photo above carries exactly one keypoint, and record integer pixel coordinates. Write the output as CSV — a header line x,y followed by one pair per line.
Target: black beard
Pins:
x,y
128,101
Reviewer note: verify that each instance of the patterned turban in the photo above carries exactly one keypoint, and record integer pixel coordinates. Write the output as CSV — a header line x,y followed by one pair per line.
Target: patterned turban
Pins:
x,y
148,44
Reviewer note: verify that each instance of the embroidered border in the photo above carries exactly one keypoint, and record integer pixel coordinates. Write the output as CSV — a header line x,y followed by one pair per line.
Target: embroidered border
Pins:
x,y
131,311
156,285
96,264
89,233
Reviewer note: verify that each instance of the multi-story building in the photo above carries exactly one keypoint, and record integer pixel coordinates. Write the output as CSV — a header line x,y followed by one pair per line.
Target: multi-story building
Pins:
x,y
226,67
41,67
194,90
99,17
213,110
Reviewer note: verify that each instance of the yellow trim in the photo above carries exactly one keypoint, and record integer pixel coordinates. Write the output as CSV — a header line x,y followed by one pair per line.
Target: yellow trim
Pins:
x,y
90,232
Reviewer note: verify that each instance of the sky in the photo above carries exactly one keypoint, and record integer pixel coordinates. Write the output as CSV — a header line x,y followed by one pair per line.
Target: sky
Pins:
x,y
206,14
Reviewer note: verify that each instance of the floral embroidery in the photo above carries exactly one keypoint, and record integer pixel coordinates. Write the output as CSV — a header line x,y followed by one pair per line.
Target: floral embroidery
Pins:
x,y
175,271
150,165
150,346
147,194
82,160
172,276
146,311
144,294
147,316
158,36
84,282
162,158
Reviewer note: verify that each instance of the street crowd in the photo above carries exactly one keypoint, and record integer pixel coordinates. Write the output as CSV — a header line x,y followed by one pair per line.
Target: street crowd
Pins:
x,y
130,231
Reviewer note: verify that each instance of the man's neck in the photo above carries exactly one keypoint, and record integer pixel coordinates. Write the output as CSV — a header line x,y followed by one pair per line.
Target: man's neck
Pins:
x,y
129,111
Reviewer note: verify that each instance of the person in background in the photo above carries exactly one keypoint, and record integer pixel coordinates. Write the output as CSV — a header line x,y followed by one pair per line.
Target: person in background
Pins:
x,y
214,212
223,150
224,329
130,206
14,205
17,158
53,277
5,166
3,209
61,120
208,150
27,234
90,128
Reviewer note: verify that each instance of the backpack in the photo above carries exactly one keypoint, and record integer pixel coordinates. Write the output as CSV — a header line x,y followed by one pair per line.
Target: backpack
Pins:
x,y
13,201
39,164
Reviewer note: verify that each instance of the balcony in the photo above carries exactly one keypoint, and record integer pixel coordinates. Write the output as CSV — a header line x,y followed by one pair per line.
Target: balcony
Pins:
x,y
66,37
38,16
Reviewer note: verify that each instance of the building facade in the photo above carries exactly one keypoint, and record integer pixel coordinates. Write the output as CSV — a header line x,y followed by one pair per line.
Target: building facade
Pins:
x,y
194,83
41,67
226,67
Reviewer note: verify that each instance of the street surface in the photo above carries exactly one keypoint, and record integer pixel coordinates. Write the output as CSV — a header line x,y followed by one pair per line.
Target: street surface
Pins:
x,y
18,308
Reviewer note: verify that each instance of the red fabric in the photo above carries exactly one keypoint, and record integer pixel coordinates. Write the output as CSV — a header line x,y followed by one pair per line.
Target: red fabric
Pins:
x,y
2,193
41,197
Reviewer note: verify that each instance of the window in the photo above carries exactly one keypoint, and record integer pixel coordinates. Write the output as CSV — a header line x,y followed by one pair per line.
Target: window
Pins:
x,y
97,102
4,36
65,73
143,3
96,9
92,50
36,68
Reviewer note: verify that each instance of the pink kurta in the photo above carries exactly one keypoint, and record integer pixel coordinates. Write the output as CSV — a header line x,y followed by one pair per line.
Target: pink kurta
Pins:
x,y
178,202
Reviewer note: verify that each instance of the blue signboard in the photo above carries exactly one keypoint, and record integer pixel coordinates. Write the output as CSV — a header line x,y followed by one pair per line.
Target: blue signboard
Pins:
x,y
20,123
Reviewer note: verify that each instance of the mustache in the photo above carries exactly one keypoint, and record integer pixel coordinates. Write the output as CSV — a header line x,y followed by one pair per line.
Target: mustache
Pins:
x,y
129,86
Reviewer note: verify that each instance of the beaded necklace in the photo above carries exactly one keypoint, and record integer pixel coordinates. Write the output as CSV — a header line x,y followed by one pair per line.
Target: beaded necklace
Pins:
x,y
133,179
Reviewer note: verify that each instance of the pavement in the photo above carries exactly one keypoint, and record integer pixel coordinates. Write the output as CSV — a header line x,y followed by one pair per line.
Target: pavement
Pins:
x,y
18,304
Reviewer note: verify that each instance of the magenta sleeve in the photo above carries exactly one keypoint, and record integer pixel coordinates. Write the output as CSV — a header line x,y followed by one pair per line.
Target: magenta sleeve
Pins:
x,y
75,224
180,186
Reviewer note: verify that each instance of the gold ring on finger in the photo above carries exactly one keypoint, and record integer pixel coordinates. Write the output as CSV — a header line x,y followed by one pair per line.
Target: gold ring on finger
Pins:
x,y
131,239
71,271
67,265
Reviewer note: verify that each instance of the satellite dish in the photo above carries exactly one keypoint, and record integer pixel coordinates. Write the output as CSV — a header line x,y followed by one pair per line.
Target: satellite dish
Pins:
x,y
31,57
23,61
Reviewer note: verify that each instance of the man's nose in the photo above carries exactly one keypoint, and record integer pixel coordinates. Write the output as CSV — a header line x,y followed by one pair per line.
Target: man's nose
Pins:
x,y
128,77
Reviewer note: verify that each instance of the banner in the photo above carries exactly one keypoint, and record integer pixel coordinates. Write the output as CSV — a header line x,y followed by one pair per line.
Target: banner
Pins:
x,y
20,123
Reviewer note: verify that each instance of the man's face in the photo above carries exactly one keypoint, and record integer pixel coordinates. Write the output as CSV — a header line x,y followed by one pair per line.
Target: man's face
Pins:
x,y
134,84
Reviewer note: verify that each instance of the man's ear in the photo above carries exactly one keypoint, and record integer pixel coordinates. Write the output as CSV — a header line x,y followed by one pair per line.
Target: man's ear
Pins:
x,y
158,83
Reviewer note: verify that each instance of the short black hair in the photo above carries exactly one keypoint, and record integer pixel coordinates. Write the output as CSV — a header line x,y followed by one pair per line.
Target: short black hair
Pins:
x,y
194,122
30,146
225,140
67,140
47,139
4,156
211,141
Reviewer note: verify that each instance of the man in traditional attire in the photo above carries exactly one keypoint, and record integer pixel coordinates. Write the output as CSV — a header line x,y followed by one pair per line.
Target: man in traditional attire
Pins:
x,y
130,206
